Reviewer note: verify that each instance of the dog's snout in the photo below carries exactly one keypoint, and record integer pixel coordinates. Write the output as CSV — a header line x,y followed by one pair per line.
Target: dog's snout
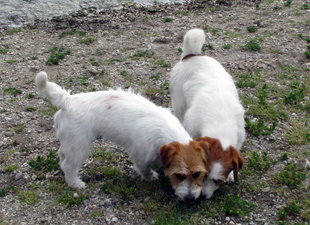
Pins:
x,y
189,198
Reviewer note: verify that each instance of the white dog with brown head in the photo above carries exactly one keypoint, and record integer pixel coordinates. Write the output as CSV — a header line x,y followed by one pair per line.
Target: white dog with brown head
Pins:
x,y
205,100
150,134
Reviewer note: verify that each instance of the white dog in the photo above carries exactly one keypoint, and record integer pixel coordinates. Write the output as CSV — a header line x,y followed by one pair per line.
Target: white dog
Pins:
x,y
205,100
151,134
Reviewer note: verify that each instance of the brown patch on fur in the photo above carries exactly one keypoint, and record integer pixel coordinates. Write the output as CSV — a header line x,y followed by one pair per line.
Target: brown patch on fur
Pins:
x,y
182,162
230,158
191,55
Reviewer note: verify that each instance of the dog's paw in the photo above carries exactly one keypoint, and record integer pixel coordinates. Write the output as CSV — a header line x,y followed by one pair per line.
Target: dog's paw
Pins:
x,y
230,177
78,185
154,175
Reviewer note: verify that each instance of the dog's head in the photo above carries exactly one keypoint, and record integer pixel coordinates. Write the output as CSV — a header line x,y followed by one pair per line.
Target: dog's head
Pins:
x,y
221,164
187,167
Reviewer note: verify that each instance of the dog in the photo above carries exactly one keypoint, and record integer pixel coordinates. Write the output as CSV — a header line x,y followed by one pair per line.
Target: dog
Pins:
x,y
151,134
205,100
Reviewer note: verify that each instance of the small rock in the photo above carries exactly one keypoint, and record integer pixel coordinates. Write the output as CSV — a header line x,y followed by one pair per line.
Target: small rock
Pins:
x,y
114,219
19,176
75,195
8,134
231,223
265,190
98,176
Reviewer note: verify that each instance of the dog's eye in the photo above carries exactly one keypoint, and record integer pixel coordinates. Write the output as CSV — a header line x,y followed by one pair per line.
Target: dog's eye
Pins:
x,y
180,176
196,175
218,182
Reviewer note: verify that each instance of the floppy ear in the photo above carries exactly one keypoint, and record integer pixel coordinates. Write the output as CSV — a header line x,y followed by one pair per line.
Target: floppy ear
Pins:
x,y
212,142
166,152
237,161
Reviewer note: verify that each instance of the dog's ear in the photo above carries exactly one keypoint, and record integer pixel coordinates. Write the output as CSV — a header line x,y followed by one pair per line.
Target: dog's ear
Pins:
x,y
166,153
237,161
212,142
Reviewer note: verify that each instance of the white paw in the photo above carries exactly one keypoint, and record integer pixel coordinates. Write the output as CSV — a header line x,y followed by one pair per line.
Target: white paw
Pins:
x,y
230,177
78,185
154,175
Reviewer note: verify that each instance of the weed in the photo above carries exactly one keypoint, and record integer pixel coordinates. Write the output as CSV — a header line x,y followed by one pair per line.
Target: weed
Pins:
x,y
235,206
291,209
277,8
259,128
105,83
288,3
100,51
258,163
246,80
82,33
57,54
291,175
87,41
93,62
307,53
20,128
162,63
207,46
65,33
155,77
30,109
227,46
50,111
262,94
146,53
11,61
13,91
305,6
69,199
28,197
252,45
10,168
181,13
4,50
2,192
180,50
294,96
44,164
299,132
284,156
96,214
14,30
252,29
168,20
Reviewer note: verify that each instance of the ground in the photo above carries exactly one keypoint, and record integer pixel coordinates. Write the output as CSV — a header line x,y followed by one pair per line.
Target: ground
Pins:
x,y
263,44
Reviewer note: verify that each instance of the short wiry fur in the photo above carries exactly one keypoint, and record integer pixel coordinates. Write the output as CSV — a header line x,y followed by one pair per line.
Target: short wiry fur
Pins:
x,y
206,101
134,123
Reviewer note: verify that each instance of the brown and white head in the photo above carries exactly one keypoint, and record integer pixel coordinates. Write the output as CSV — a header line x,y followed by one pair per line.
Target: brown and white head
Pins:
x,y
222,163
187,167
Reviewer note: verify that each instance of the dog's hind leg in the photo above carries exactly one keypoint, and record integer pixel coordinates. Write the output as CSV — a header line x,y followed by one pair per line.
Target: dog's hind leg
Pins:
x,y
71,160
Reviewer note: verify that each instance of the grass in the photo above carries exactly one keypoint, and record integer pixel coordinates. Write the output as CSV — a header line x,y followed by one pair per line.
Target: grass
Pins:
x,y
258,128
253,46
259,163
237,207
43,164
252,29
12,91
10,168
4,50
28,197
227,46
57,54
11,61
168,20
87,41
291,176
19,128
292,209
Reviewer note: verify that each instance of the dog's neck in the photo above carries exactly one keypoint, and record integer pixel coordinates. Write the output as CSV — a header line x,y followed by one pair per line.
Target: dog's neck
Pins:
x,y
191,55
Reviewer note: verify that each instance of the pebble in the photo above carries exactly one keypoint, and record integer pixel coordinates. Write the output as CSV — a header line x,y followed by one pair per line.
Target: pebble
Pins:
x,y
18,176
75,195
265,190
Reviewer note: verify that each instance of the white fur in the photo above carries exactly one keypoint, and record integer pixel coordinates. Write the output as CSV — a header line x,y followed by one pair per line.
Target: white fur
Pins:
x,y
204,96
215,174
120,116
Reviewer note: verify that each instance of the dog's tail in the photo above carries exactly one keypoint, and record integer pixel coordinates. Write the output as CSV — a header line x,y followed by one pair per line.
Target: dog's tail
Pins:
x,y
193,42
52,91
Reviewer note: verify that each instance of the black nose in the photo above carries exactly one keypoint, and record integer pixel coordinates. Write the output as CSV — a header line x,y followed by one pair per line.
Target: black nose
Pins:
x,y
189,198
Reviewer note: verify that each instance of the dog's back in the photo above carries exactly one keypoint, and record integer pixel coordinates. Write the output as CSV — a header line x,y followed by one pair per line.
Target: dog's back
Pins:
x,y
204,96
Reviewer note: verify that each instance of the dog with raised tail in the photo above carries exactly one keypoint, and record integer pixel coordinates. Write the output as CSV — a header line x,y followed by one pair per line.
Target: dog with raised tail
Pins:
x,y
205,100
151,134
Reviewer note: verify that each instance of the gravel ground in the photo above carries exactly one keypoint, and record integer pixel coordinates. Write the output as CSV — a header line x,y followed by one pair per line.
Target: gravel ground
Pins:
x,y
137,46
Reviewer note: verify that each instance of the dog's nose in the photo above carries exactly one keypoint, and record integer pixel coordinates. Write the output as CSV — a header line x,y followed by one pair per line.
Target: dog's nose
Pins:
x,y
202,196
189,198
